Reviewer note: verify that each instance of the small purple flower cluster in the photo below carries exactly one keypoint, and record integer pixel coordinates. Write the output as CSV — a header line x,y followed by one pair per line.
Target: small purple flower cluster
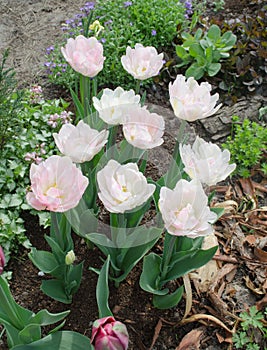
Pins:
x,y
63,118
36,156
36,94
51,66
188,8
88,6
127,3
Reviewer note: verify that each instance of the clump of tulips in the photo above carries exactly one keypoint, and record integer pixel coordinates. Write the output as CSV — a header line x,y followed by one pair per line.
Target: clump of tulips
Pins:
x,y
94,164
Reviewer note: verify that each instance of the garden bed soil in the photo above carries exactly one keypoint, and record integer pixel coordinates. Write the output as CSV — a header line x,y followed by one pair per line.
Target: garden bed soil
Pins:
x,y
28,28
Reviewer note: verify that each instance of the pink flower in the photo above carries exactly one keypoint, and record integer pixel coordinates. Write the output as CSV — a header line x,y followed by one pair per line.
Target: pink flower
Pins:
x,y
143,129
81,143
2,260
109,334
185,210
191,101
56,185
85,55
142,62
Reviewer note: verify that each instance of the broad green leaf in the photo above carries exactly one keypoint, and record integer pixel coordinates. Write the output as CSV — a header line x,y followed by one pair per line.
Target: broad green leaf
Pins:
x,y
181,52
196,50
169,300
30,333
65,340
195,71
55,290
192,262
45,318
150,276
45,261
213,69
214,33
102,291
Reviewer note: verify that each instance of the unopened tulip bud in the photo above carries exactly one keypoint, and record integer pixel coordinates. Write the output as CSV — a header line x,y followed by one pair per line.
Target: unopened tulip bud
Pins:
x,y
70,257
109,334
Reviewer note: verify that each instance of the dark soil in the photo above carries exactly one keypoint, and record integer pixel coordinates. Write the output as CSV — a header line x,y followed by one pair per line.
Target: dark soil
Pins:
x,y
129,303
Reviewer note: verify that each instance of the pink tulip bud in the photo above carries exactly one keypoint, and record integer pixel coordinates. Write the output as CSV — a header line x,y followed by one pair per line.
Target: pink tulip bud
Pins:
x,y
109,334
2,260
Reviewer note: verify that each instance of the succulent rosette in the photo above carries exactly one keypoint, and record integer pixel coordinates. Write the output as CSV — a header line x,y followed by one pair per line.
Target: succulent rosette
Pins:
x,y
192,101
81,143
109,334
206,162
56,185
185,210
84,55
122,187
143,129
142,62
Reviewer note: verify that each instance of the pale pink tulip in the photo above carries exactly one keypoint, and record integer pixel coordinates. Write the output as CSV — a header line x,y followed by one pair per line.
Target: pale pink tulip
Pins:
x,y
2,260
113,104
143,129
191,101
56,185
122,187
81,143
85,55
185,210
142,62
206,162
109,334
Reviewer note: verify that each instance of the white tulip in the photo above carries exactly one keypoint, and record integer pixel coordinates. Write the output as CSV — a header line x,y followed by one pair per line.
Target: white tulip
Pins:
x,y
122,187
185,210
113,104
206,162
81,143
191,101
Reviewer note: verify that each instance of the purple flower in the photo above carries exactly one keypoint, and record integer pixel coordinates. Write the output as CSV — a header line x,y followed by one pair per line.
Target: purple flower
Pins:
x,y
102,40
127,3
153,32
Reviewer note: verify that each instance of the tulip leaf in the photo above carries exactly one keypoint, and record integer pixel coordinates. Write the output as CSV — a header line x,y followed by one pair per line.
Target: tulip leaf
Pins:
x,y
102,291
65,340
44,318
190,263
45,261
55,289
169,300
78,105
150,276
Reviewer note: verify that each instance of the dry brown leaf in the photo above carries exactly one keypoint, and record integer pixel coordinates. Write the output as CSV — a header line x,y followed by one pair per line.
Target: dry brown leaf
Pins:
x,y
252,287
204,276
156,333
191,341
200,317
249,190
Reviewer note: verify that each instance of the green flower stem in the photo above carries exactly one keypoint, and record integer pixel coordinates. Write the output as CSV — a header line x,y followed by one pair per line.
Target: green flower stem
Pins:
x,y
137,86
169,245
180,139
60,230
85,89
112,140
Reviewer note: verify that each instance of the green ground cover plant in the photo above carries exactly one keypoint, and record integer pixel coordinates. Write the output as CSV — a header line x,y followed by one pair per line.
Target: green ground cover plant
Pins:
x,y
151,23
247,143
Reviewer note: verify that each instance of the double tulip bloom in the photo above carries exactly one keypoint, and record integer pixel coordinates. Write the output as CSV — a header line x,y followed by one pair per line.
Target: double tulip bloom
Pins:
x,y
122,187
113,105
206,162
81,143
85,55
143,129
142,62
56,185
185,210
109,334
191,101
